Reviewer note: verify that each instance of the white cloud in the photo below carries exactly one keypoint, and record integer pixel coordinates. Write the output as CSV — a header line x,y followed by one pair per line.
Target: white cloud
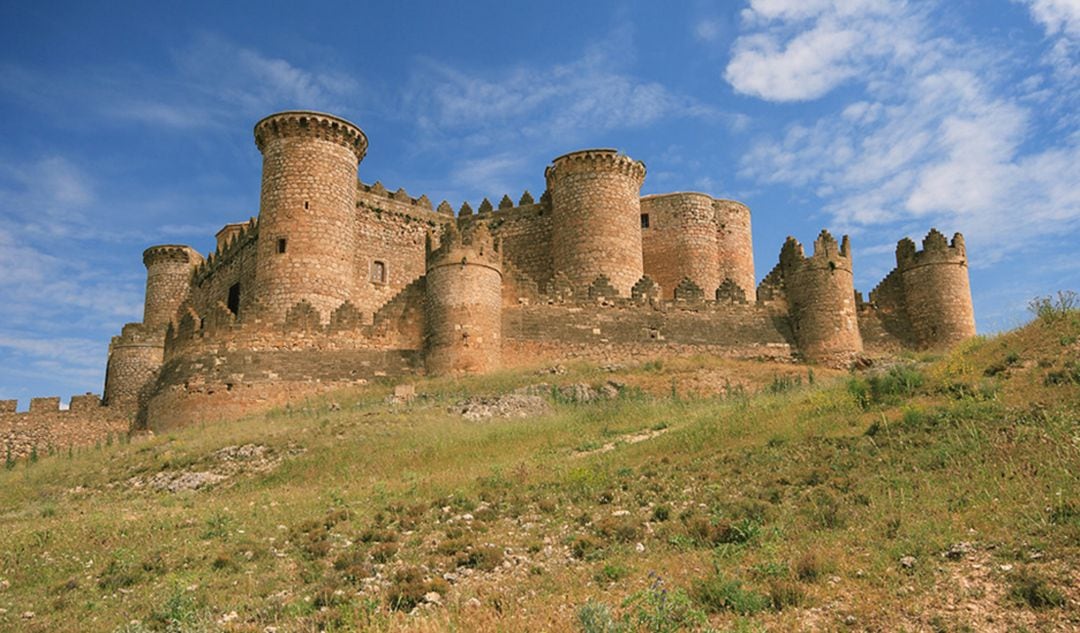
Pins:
x,y
801,50
1056,16
933,135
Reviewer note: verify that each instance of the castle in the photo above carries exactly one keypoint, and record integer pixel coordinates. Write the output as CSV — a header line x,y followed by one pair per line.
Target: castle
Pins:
x,y
338,282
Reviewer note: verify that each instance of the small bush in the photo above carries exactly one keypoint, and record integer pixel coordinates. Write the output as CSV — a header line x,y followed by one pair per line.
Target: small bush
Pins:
x,y
384,552
812,566
658,610
224,562
408,588
596,617
484,558
1031,589
717,594
586,547
661,514
117,575
622,529
353,565
1050,309
612,572
785,593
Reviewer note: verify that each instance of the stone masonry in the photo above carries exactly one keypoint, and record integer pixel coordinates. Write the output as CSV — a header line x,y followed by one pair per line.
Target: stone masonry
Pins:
x,y
338,282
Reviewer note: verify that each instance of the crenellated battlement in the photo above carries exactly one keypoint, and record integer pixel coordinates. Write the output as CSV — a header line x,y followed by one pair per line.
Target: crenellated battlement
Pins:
x,y
314,125
594,160
471,243
337,281
78,404
936,249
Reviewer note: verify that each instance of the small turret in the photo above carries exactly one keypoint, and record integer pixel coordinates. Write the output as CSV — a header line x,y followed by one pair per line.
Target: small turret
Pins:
x,y
596,217
821,298
463,305
168,281
135,356
937,290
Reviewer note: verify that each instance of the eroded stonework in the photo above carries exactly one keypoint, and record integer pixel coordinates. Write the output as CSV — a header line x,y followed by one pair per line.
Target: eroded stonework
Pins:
x,y
338,282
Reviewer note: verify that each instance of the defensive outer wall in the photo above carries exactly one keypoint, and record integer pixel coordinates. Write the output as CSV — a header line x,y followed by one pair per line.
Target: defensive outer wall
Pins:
x,y
337,282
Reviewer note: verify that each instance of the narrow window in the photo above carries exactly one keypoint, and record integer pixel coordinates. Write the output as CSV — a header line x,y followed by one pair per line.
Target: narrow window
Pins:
x,y
644,220
378,272
305,204
281,245
234,299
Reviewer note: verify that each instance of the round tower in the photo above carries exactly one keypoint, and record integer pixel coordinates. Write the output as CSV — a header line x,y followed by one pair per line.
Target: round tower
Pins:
x,y
821,299
735,244
307,239
679,241
937,290
168,281
596,217
135,356
463,303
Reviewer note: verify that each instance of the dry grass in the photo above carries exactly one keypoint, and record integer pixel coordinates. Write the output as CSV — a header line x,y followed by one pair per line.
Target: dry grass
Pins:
x,y
774,504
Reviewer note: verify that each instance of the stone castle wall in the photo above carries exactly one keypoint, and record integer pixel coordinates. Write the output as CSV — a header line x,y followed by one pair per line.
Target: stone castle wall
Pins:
x,y
338,282
45,426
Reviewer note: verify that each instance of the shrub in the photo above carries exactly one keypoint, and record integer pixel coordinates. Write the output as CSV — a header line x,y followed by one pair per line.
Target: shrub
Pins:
x,y
785,593
408,588
584,547
612,572
661,514
484,558
383,552
1050,309
622,529
661,611
717,594
1031,589
811,566
596,617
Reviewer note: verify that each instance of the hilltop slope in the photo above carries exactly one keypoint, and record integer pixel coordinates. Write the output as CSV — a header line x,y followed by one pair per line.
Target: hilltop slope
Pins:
x,y
939,494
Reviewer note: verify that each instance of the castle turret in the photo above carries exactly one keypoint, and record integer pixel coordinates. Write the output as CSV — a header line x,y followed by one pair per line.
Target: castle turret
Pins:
x,y
307,238
596,217
168,281
135,356
821,298
679,241
463,305
735,245
937,291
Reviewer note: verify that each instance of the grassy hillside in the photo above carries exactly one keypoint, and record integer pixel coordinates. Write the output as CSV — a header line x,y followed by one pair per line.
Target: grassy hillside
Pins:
x,y
935,494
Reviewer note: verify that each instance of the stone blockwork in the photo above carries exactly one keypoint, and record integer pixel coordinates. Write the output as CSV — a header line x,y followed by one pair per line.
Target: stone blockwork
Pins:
x,y
307,217
596,217
821,299
338,282
168,281
464,302
45,427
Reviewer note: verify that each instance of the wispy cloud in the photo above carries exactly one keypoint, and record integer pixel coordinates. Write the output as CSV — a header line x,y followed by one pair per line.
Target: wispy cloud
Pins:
x,y
556,104
928,137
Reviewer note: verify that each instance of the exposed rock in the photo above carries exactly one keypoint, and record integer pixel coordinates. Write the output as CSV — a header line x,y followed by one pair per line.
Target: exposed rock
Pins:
x,y
508,406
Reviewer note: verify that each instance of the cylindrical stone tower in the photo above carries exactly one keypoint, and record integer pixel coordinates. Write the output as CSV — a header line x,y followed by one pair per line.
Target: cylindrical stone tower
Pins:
x,y
821,299
463,304
135,356
735,244
307,240
937,291
680,241
168,281
596,217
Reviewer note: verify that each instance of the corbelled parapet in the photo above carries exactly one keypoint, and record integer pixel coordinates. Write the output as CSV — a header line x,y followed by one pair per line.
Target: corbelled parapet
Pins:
x,y
596,217
821,298
463,301
936,289
168,281
313,125
593,161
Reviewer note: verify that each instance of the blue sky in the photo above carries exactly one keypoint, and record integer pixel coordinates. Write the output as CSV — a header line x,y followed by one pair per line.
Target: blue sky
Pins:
x,y
129,126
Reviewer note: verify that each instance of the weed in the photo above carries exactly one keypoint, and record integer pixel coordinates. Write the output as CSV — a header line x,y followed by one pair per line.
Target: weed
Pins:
x,y
658,610
217,526
1031,589
484,558
661,513
612,572
118,574
596,617
408,588
1050,309
785,593
812,566
384,552
716,594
